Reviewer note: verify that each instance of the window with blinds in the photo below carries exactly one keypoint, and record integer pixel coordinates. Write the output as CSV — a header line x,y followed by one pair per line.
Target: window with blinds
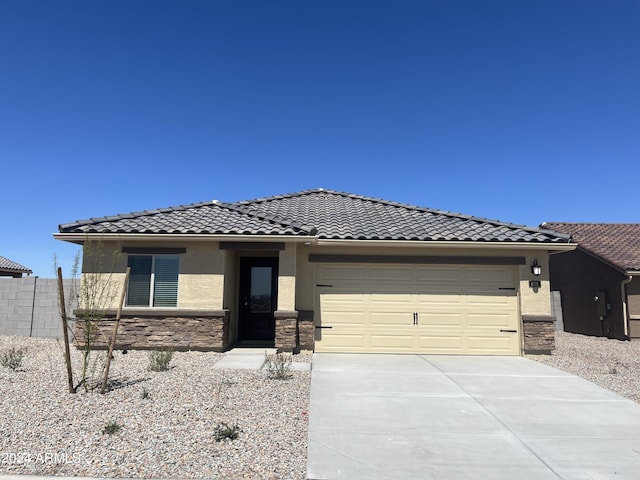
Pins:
x,y
153,281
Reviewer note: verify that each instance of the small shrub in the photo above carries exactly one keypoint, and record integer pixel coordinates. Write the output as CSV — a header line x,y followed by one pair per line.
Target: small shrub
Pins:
x,y
278,365
223,432
12,358
159,360
145,394
111,428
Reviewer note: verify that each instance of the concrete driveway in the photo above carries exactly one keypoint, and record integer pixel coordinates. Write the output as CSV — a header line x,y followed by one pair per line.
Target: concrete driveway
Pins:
x,y
455,417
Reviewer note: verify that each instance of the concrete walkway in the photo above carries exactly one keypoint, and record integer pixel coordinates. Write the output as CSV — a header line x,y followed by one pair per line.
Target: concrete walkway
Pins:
x,y
455,417
251,359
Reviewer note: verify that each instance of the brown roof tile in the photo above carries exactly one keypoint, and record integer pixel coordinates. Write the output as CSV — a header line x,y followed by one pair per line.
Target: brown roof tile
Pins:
x,y
616,243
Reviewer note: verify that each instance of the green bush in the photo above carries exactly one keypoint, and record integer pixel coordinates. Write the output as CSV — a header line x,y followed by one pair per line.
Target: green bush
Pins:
x,y
159,360
111,428
12,358
223,432
278,365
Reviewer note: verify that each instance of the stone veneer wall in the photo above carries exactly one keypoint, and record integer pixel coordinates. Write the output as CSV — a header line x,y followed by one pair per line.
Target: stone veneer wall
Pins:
x,y
539,334
150,330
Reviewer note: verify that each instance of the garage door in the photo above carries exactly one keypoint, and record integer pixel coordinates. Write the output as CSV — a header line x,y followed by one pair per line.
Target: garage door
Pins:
x,y
417,309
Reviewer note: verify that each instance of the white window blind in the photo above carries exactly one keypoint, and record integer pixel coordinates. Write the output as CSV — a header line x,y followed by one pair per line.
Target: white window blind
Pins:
x,y
153,281
165,285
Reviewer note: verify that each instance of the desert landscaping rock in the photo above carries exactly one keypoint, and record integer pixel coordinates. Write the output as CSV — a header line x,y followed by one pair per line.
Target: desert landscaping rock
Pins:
x,y
168,419
171,433
611,364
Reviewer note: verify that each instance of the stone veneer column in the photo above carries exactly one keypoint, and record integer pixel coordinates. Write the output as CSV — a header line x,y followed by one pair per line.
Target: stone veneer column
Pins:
x,y
306,330
286,330
539,334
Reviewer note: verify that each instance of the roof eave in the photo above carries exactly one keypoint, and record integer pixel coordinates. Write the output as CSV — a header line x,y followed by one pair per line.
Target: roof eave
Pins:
x,y
449,244
621,268
80,238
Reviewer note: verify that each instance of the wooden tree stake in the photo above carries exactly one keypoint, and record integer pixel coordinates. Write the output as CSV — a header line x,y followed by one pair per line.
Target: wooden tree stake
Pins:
x,y
65,330
115,331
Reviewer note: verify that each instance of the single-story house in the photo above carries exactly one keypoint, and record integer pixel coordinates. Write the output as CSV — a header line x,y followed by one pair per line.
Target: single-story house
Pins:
x,y
326,271
599,281
9,268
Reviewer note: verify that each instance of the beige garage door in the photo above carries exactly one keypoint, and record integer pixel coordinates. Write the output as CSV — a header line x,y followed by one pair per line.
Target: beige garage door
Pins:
x,y
418,309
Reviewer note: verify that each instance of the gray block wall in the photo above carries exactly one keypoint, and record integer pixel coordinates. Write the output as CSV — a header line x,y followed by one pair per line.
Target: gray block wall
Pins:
x,y
29,307
556,308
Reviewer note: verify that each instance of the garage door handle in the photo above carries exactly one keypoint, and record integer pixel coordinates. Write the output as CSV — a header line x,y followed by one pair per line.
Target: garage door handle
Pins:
x,y
415,318
508,331
323,326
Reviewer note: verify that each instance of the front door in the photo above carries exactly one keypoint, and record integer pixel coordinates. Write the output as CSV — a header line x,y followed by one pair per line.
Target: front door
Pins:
x,y
258,298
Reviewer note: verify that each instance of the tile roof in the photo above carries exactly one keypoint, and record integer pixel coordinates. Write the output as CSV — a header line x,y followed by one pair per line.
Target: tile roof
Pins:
x,y
198,218
11,266
326,214
616,243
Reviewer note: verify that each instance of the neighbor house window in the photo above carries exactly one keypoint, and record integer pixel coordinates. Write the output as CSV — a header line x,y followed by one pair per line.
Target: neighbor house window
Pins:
x,y
153,281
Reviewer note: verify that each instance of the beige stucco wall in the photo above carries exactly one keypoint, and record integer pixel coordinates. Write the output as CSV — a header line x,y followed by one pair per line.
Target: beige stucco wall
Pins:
x,y
287,278
535,301
305,279
200,283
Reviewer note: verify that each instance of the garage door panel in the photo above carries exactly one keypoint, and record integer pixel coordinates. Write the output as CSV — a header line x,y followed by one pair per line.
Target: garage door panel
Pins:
x,y
391,319
441,344
347,298
453,319
343,273
489,321
438,276
461,309
484,275
484,345
377,300
391,274
343,342
392,343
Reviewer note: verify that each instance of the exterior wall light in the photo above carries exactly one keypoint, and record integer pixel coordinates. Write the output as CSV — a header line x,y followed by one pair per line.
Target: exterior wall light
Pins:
x,y
535,268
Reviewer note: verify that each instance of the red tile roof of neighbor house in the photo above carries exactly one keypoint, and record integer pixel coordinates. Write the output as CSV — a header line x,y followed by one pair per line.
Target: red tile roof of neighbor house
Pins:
x,y
323,213
616,243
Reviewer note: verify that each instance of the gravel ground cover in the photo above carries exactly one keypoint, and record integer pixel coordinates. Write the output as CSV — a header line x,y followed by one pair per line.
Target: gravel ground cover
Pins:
x,y
611,364
168,419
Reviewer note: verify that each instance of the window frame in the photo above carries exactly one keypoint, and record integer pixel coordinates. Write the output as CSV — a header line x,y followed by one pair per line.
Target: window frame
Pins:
x,y
152,281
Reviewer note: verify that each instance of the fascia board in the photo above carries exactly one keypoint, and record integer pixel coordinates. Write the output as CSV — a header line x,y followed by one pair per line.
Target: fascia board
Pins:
x,y
80,238
440,244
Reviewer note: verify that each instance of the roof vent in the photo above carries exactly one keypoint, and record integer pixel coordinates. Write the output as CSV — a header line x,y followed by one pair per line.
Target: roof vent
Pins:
x,y
214,201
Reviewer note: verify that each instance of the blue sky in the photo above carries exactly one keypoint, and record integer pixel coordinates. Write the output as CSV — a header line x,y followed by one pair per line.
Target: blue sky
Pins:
x,y
522,111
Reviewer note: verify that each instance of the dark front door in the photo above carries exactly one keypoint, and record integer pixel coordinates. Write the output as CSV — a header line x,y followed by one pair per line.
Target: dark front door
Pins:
x,y
258,297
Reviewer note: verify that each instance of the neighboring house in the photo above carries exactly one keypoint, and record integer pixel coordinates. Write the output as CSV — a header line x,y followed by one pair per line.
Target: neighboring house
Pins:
x,y
599,281
326,271
10,268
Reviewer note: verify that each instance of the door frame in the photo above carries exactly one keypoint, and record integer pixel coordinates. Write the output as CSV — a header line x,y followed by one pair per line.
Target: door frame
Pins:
x,y
245,331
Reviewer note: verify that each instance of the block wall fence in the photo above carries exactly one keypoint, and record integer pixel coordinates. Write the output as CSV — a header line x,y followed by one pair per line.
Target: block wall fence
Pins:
x,y
29,307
